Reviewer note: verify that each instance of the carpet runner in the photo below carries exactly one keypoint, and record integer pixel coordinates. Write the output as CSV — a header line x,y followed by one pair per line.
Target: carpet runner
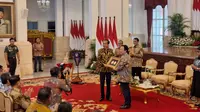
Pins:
x,y
85,98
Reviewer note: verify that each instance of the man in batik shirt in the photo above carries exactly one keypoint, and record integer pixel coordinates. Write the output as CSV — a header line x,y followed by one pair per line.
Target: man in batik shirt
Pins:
x,y
104,55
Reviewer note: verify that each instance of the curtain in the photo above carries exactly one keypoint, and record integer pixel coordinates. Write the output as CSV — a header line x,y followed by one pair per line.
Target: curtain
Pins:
x,y
149,6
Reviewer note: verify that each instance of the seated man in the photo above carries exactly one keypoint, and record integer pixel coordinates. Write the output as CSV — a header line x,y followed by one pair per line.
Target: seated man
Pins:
x,y
43,101
57,85
5,81
21,101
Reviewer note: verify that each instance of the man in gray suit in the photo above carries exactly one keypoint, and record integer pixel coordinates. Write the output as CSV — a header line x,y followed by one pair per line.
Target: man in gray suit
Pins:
x,y
4,24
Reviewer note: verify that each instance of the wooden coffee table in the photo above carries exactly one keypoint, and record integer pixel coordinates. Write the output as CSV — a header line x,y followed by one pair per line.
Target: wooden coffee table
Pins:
x,y
146,90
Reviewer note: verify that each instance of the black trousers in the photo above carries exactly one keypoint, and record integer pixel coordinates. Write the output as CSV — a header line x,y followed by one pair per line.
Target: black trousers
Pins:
x,y
136,71
37,59
104,75
12,65
126,93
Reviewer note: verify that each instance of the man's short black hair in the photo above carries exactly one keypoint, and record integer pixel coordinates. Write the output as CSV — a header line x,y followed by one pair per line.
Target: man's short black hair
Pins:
x,y
126,48
54,71
44,94
1,67
107,41
1,9
137,39
37,38
65,107
14,79
5,77
12,39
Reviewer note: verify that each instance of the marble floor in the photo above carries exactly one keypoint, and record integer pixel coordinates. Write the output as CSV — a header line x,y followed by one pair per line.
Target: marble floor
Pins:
x,y
48,64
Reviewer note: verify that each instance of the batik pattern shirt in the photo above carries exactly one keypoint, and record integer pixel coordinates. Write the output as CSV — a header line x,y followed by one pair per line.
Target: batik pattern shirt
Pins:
x,y
122,69
136,54
104,56
21,102
57,86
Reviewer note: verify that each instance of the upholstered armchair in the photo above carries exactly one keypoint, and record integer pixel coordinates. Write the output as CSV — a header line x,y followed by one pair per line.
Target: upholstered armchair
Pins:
x,y
184,84
167,76
2,99
150,67
8,104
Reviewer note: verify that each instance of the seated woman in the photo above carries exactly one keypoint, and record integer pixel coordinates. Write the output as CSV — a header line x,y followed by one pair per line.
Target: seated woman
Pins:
x,y
21,101
57,85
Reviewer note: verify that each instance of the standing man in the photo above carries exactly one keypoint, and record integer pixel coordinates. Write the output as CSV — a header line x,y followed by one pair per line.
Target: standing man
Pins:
x,y
38,48
104,54
124,77
117,50
136,53
10,53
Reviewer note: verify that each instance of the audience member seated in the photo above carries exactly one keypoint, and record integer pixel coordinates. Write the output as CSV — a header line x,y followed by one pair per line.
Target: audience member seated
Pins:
x,y
65,107
43,101
21,101
5,81
57,85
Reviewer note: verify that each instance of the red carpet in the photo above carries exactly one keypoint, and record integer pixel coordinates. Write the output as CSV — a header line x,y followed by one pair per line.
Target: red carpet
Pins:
x,y
82,94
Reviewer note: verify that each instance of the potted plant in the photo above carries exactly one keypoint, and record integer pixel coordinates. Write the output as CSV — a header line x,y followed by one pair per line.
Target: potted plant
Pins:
x,y
177,25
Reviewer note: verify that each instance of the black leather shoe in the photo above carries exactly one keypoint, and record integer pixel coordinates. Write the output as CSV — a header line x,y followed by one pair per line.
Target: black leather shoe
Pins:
x,y
125,107
35,70
101,99
109,99
40,70
197,105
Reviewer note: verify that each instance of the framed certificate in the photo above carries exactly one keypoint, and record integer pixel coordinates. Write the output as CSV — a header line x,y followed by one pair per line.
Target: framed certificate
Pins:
x,y
113,62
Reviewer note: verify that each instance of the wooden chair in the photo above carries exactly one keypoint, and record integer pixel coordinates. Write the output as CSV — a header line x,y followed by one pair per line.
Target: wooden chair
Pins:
x,y
150,68
167,76
2,99
184,84
8,104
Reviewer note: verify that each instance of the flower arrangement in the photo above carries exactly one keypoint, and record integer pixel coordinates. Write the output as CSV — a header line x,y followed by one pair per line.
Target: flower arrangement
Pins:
x,y
181,41
196,37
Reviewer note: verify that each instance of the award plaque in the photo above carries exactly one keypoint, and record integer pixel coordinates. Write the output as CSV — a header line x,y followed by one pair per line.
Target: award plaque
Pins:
x,y
113,63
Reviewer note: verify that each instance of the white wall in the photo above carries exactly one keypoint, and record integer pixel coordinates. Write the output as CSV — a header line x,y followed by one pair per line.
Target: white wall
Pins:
x,y
6,0
35,14
139,19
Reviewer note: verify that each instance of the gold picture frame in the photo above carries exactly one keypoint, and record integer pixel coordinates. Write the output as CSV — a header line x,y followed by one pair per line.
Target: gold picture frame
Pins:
x,y
113,63
7,20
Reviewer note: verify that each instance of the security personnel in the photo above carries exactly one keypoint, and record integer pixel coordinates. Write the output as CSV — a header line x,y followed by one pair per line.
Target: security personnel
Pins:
x,y
104,54
10,53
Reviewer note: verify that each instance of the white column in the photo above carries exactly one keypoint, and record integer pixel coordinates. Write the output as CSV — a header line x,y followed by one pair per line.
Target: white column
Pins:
x,y
125,18
93,17
21,20
59,18
66,24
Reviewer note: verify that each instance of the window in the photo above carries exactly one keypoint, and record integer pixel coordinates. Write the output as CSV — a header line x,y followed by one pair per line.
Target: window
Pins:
x,y
32,25
159,30
51,26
